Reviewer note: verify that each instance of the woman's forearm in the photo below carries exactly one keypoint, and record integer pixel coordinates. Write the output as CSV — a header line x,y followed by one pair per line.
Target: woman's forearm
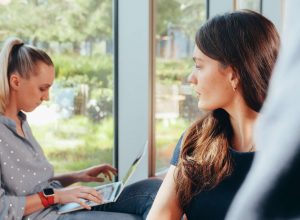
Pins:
x,y
33,204
66,179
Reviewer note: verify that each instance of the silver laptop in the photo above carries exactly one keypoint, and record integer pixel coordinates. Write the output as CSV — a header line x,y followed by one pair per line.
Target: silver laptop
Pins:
x,y
109,192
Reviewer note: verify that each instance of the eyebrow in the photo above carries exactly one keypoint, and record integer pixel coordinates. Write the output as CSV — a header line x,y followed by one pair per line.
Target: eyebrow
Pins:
x,y
46,85
197,59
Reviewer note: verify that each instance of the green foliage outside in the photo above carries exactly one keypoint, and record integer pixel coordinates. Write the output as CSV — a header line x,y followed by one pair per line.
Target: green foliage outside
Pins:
x,y
96,70
173,71
167,136
76,143
188,15
62,27
57,20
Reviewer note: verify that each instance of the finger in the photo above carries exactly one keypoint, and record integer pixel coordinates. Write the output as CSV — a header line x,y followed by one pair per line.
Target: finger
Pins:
x,y
95,193
83,204
105,173
96,179
114,172
94,197
91,197
112,169
108,167
98,195
109,175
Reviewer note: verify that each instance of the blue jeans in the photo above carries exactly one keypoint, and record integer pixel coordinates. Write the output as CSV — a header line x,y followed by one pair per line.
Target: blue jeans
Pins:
x,y
134,203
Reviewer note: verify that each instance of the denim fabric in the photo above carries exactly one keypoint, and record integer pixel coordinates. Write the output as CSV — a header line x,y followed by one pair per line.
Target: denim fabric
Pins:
x,y
96,215
176,153
134,203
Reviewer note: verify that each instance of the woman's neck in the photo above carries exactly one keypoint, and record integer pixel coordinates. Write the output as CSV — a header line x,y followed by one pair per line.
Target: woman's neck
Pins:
x,y
242,119
11,112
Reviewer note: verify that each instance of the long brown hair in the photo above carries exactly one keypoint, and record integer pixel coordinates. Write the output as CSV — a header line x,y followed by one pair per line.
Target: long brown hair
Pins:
x,y
249,43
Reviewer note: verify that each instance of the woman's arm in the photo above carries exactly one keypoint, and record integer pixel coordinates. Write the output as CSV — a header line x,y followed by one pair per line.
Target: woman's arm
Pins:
x,y
33,204
62,196
87,175
166,204
66,179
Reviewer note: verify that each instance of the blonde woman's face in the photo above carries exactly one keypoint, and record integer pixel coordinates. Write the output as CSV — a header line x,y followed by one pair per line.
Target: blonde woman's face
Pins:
x,y
212,82
33,91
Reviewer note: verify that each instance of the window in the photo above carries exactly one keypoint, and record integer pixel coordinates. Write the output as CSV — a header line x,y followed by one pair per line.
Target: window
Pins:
x,y
175,104
255,5
75,128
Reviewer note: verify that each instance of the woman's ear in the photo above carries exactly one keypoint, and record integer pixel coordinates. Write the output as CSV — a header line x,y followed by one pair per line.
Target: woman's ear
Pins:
x,y
234,78
14,81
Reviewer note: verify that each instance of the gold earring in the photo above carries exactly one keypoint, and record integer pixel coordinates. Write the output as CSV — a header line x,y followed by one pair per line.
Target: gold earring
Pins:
x,y
234,88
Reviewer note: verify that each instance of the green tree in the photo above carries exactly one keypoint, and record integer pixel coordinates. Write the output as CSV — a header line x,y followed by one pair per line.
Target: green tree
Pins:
x,y
193,15
187,15
168,13
39,21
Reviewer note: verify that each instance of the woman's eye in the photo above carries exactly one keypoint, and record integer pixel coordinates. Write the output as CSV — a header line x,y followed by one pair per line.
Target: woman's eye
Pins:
x,y
42,89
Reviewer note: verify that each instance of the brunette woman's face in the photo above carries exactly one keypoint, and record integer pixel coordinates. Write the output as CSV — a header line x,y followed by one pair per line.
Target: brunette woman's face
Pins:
x,y
33,91
213,82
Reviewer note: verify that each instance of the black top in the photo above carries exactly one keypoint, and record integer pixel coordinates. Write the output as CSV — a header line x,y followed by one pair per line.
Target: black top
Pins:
x,y
214,204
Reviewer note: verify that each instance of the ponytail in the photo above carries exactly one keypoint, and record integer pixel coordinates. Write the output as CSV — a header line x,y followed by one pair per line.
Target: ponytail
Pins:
x,y
16,57
4,63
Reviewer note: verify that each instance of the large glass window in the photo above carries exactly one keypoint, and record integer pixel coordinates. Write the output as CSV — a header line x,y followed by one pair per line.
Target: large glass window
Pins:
x,y
75,128
175,104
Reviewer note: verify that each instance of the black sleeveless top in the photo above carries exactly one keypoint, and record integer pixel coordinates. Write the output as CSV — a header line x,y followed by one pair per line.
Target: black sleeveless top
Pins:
x,y
214,204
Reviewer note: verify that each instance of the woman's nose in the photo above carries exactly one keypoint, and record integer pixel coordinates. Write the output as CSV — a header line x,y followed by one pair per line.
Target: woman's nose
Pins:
x,y
46,97
192,79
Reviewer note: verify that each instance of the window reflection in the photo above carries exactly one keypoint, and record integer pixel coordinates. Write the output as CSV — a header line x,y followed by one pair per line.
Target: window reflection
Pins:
x,y
254,5
176,106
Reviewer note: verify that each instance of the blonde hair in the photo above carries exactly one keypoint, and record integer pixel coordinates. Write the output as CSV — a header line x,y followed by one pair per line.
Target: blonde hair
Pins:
x,y
16,57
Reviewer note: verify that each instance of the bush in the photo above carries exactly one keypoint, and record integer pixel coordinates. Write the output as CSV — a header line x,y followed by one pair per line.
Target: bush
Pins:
x,y
173,71
90,78
76,143
91,70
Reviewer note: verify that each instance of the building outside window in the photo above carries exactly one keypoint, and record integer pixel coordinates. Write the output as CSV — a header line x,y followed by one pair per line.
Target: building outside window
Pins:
x,y
175,104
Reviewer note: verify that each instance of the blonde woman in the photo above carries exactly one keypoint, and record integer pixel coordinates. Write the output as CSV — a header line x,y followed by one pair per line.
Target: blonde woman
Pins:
x,y
29,190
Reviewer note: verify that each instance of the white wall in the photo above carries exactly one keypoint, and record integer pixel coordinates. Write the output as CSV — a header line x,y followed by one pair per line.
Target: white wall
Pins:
x,y
133,83
219,7
272,9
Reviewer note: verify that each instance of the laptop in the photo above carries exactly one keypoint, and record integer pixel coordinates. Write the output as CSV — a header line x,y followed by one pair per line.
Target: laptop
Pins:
x,y
109,192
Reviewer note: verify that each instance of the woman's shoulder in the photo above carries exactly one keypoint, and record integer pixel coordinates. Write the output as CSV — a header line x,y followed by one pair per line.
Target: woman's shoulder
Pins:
x,y
241,154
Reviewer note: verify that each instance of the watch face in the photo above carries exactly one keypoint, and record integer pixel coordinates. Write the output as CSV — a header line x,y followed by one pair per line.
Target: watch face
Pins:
x,y
48,192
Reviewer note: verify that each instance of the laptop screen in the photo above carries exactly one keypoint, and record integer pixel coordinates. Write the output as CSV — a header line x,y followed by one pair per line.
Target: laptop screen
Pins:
x,y
135,164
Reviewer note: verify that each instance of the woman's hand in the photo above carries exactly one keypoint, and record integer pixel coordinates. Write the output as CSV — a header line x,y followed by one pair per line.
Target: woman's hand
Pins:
x,y
77,194
91,174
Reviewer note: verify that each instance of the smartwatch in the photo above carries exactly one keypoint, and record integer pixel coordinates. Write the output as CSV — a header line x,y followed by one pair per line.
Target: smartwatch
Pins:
x,y
47,197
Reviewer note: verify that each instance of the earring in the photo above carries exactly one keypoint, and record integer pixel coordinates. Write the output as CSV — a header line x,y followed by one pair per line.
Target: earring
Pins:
x,y
234,88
